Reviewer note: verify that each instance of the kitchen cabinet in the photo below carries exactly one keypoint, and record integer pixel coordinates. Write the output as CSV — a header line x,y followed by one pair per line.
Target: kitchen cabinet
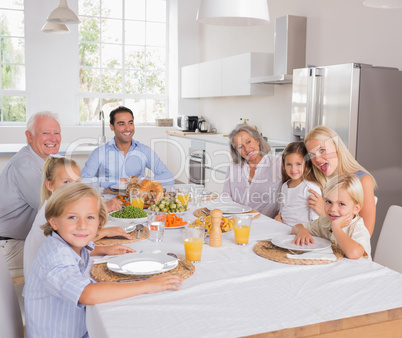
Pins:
x,y
227,77
237,71
210,78
177,158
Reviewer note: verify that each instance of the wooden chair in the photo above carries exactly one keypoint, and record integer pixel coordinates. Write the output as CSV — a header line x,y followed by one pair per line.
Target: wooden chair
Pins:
x,y
389,249
11,325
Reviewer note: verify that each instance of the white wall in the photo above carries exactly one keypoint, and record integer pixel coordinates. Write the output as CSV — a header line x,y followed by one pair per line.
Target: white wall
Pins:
x,y
337,32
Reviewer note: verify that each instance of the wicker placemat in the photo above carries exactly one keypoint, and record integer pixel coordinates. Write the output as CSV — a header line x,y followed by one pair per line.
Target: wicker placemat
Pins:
x,y
121,240
199,213
101,273
273,253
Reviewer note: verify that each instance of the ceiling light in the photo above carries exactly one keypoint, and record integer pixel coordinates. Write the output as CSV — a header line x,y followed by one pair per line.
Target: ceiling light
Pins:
x,y
384,4
233,12
63,14
51,27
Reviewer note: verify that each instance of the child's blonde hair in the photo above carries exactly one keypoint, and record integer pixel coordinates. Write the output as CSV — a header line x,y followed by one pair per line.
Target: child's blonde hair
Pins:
x,y
49,173
68,194
346,162
350,183
298,148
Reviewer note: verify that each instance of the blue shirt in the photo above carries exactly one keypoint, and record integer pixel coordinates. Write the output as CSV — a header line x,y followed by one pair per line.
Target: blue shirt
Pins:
x,y
109,164
52,289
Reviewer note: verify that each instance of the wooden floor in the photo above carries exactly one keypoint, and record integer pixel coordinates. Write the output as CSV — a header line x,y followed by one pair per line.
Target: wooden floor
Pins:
x,y
382,324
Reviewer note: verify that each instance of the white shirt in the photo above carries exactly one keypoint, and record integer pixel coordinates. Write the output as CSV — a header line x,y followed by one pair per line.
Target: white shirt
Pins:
x,y
34,239
356,230
293,203
262,193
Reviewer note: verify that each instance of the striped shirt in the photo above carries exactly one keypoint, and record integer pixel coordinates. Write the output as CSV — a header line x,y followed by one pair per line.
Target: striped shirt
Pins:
x,y
52,289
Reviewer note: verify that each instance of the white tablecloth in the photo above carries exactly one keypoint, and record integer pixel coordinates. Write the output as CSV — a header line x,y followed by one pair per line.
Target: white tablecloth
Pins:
x,y
235,292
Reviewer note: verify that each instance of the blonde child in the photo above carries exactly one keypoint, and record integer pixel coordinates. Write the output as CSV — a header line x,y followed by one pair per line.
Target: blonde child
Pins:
x,y
297,180
58,171
56,290
341,223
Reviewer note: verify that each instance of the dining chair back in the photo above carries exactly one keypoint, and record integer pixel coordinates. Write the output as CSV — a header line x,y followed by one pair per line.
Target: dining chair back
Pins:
x,y
11,325
389,249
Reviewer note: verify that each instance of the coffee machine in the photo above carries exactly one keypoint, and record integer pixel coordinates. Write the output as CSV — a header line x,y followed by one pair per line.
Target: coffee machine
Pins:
x,y
187,123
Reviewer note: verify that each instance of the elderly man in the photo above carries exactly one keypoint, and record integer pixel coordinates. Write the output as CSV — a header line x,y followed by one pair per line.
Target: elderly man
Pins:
x,y
20,184
122,157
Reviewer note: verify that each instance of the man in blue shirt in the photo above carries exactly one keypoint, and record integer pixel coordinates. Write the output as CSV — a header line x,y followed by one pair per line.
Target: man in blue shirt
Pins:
x,y
122,157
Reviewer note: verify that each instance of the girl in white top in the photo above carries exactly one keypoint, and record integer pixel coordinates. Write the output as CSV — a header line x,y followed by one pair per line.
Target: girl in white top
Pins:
x,y
297,179
58,171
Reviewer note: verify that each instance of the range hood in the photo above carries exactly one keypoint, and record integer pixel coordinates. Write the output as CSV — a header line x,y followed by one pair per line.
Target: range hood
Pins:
x,y
290,49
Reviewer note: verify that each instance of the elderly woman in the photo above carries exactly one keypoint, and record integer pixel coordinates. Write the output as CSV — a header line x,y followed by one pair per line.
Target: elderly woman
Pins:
x,y
253,177
330,158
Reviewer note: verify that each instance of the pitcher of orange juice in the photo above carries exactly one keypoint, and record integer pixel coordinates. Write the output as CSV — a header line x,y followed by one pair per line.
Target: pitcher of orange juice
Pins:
x,y
137,198
241,227
193,240
183,195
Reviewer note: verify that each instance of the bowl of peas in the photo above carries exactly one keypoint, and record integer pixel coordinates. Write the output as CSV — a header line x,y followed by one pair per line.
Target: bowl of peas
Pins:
x,y
129,214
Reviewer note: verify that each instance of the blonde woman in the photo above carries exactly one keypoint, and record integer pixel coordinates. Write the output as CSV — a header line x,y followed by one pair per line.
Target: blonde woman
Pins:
x,y
330,158
253,177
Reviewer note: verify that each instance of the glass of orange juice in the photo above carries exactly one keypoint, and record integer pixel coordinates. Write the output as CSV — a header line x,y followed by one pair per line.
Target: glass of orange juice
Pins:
x,y
137,198
183,195
193,240
241,228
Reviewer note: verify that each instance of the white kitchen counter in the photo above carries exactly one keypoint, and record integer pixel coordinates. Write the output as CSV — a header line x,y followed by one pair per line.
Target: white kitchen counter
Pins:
x,y
223,138
11,149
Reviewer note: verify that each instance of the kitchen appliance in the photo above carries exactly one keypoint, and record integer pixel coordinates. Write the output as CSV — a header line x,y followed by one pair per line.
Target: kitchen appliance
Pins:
x,y
290,49
187,123
363,104
202,125
197,166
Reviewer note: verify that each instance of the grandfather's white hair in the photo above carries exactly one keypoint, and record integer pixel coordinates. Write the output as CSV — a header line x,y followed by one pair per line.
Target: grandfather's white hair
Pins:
x,y
32,119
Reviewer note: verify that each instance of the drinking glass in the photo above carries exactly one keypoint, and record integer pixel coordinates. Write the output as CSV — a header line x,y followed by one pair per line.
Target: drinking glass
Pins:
x,y
183,195
156,225
241,227
193,239
137,198
197,194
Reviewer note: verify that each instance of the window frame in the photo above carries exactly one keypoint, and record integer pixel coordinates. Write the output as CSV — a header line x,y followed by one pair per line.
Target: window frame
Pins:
x,y
123,96
13,92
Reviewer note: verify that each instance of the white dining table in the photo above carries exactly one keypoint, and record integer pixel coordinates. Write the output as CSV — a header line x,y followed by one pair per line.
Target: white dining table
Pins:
x,y
234,292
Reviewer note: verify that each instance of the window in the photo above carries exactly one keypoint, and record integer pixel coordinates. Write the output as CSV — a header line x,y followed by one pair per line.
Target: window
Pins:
x,y
122,55
12,61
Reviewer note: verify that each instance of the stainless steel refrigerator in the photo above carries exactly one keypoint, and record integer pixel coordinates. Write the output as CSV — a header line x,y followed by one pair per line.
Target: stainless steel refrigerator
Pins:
x,y
363,104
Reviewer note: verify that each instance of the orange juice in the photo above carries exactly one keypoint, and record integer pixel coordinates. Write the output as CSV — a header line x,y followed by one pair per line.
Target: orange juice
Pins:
x,y
193,248
183,198
242,233
137,202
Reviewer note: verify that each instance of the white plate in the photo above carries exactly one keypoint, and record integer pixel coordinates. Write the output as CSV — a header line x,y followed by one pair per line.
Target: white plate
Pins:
x,y
231,208
285,242
142,263
179,214
118,187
